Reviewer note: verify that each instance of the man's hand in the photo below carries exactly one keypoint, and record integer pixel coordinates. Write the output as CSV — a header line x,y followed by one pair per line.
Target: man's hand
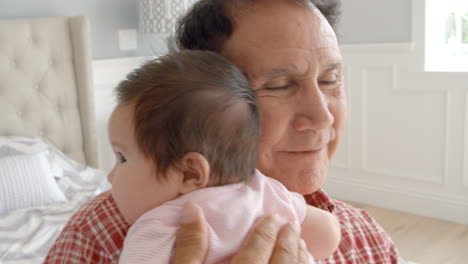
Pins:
x,y
191,242
267,242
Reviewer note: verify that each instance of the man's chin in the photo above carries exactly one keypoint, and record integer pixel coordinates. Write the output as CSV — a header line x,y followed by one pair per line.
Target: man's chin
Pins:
x,y
306,185
304,191
301,179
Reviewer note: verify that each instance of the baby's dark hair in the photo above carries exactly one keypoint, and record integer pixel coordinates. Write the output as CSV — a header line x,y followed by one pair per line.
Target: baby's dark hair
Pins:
x,y
194,101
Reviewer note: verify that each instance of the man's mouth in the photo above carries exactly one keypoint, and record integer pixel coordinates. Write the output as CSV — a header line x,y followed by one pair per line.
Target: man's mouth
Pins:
x,y
309,151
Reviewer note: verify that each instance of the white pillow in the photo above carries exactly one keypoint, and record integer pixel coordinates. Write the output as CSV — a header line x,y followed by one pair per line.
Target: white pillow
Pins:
x,y
15,145
73,178
27,181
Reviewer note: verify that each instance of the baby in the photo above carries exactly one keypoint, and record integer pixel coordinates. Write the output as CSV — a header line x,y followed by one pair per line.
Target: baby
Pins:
x,y
186,129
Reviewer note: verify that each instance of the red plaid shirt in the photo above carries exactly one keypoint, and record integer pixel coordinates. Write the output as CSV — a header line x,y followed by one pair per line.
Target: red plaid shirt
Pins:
x,y
95,234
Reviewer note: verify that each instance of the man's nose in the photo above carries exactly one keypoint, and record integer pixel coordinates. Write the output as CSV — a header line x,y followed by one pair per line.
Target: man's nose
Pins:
x,y
313,111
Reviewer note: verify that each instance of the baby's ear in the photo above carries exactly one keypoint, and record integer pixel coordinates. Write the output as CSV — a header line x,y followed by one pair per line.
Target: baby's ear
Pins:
x,y
196,172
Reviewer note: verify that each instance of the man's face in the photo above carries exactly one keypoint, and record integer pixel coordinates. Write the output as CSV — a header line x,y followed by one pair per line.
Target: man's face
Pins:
x,y
291,56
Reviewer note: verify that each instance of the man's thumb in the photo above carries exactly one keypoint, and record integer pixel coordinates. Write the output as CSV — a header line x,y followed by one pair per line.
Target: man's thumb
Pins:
x,y
191,242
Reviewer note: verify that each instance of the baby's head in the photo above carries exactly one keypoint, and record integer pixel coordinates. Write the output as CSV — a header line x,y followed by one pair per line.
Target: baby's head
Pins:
x,y
183,122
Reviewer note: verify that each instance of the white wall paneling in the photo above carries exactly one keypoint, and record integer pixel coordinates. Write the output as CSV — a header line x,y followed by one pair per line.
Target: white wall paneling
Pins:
x,y
405,139
399,197
465,139
107,74
342,158
398,128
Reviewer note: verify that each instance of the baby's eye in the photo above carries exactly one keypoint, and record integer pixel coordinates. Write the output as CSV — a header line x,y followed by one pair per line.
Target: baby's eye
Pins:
x,y
121,158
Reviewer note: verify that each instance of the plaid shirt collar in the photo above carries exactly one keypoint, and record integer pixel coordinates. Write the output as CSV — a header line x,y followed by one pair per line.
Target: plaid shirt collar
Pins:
x,y
320,199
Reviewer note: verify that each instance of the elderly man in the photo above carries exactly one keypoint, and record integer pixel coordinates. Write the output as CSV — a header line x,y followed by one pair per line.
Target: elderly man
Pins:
x,y
289,52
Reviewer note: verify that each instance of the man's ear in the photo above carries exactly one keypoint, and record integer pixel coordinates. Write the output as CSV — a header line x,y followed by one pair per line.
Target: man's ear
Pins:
x,y
196,172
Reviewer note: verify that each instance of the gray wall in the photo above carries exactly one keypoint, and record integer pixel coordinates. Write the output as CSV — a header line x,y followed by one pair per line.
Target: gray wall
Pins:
x,y
375,21
106,17
363,21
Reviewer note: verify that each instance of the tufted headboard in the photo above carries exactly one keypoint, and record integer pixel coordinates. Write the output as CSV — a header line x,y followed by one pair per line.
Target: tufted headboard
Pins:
x,y
46,84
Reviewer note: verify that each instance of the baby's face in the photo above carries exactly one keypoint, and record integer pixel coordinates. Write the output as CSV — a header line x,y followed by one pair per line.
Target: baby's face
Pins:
x,y
133,178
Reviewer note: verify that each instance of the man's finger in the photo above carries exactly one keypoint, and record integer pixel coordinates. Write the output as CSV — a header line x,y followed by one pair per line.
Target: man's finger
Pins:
x,y
287,247
260,242
303,253
191,242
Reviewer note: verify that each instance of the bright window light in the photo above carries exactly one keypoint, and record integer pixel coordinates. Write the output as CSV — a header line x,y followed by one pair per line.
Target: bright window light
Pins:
x,y
446,35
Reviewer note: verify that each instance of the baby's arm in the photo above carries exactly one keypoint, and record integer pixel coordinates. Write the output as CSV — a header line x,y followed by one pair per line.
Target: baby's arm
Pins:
x,y
321,232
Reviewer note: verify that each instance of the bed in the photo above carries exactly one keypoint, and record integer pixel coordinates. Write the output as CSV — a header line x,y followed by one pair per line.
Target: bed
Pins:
x,y
48,143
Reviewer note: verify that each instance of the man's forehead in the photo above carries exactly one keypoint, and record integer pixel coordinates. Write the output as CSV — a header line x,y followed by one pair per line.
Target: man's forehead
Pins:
x,y
280,24
277,37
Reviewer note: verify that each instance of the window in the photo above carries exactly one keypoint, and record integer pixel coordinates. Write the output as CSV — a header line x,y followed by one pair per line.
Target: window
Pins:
x,y
446,35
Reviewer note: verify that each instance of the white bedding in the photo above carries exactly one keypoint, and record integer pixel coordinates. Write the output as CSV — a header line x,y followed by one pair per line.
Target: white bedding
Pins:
x,y
27,234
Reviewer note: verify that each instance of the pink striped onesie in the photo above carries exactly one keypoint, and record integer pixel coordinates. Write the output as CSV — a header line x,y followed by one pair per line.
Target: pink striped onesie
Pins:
x,y
230,211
